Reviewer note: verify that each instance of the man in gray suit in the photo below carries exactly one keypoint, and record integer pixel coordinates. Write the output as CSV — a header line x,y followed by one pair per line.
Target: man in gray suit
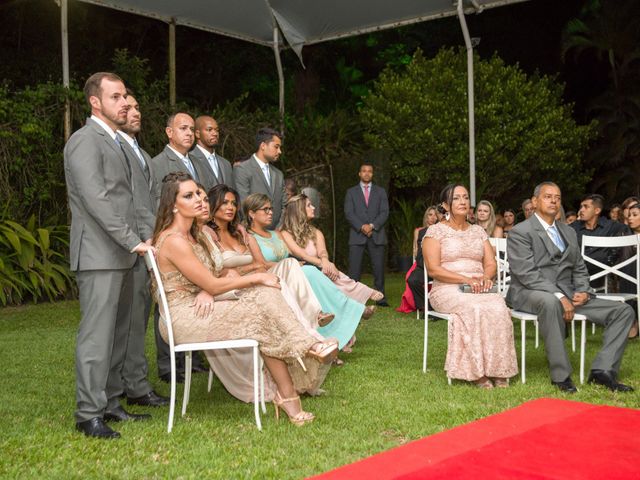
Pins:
x,y
258,175
135,369
104,242
367,208
175,156
549,279
207,137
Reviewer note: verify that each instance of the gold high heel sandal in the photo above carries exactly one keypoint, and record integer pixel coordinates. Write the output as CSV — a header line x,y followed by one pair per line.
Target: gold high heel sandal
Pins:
x,y
299,418
326,354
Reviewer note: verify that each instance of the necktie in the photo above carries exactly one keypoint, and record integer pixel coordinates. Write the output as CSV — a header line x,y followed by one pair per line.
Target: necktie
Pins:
x,y
187,163
213,161
143,163
557,239
366,195
117,139
265,169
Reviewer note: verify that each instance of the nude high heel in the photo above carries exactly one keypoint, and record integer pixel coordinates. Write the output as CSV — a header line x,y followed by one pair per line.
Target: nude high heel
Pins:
x,y
327,352
376,296
325,319
299,418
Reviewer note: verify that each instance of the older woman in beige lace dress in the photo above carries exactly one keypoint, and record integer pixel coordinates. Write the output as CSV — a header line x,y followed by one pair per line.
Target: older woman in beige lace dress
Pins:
x,y
481,348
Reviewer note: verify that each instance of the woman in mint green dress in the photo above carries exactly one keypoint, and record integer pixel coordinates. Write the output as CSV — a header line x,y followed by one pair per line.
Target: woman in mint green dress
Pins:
x,y
258,215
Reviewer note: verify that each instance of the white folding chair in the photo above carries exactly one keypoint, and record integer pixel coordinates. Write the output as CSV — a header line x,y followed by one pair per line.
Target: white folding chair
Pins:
x,y
188,348
632,241
504,279
433,313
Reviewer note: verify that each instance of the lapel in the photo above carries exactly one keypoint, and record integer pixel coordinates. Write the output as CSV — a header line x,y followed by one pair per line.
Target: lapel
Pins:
x,y
173,158
562,231
111,143
546,240
147,158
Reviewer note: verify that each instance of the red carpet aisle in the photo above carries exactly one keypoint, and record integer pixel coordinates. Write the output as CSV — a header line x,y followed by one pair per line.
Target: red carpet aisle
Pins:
x,y
541,439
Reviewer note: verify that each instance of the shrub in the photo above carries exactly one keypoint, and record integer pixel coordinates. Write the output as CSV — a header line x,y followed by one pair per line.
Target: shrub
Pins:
x,y
524,131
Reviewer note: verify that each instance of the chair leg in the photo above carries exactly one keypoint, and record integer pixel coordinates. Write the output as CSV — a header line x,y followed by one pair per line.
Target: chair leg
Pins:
x,y
523,335
172,401
449,380
187,381
264,407
593,329
573,336
426,340
537,333
256,388
583,347
210,381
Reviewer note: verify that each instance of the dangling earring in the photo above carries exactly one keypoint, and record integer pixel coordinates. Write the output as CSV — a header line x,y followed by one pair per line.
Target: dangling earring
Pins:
x,y
175,210
447,216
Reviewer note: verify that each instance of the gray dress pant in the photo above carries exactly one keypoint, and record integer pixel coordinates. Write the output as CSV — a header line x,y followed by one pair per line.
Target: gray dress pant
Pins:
x,y
615,317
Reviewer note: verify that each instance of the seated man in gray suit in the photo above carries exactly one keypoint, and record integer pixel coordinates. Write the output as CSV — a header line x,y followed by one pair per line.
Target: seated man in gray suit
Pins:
x,y
258,175
105,243
207,137
175,156
135,369
549,279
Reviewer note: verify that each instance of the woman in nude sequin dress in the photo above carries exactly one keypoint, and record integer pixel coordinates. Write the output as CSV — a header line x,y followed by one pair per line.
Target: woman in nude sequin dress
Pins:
x,y
480,347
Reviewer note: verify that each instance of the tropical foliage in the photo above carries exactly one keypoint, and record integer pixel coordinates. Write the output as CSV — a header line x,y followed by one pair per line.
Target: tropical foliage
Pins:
x,y
524,130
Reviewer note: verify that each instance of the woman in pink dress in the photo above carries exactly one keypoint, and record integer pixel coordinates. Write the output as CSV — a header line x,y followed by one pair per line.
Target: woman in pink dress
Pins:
x,y
306,243
480,347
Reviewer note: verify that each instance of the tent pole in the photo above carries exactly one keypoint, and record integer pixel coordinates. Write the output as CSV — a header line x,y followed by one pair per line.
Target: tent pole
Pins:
x,y
276,51
172,63
470,96
64,27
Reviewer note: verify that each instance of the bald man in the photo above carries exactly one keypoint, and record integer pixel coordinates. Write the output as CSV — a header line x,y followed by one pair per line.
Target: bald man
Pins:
x,y
207,136
175,156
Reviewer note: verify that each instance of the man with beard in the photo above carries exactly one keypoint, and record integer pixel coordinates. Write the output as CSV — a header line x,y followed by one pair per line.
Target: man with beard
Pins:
x,y
207,137
105,242
258,175
135,369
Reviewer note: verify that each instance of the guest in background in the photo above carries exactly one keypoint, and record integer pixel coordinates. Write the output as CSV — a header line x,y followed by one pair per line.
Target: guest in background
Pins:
x,y
560,216
527,208
366,208
615,213
471,216
626,205
480,347
509,216
499,220
571,216
627,252
218,168
429,218
487,219
290,188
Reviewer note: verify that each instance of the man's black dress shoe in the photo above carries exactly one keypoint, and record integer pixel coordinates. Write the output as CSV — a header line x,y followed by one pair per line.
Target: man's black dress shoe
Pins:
x,y
198,369
151,399
566,386
607,378
119,414
166,377
96,427
383,303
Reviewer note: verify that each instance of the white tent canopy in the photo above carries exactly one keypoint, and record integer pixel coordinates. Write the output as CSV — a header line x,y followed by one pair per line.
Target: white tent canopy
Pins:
x,y
300,22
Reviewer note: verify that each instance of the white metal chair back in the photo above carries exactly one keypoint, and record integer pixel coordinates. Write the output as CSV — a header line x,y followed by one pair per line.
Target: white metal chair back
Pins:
x,y
188,348
503,279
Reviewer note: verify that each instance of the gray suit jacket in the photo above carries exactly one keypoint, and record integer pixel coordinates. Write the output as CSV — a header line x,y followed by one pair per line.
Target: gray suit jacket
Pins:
x,y
226,170
167,162
103,217
249,179
537,264
144,190
358,214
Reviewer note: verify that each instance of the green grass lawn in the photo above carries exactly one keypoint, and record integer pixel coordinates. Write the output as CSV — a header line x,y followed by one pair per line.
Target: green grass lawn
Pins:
x,y
378,400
